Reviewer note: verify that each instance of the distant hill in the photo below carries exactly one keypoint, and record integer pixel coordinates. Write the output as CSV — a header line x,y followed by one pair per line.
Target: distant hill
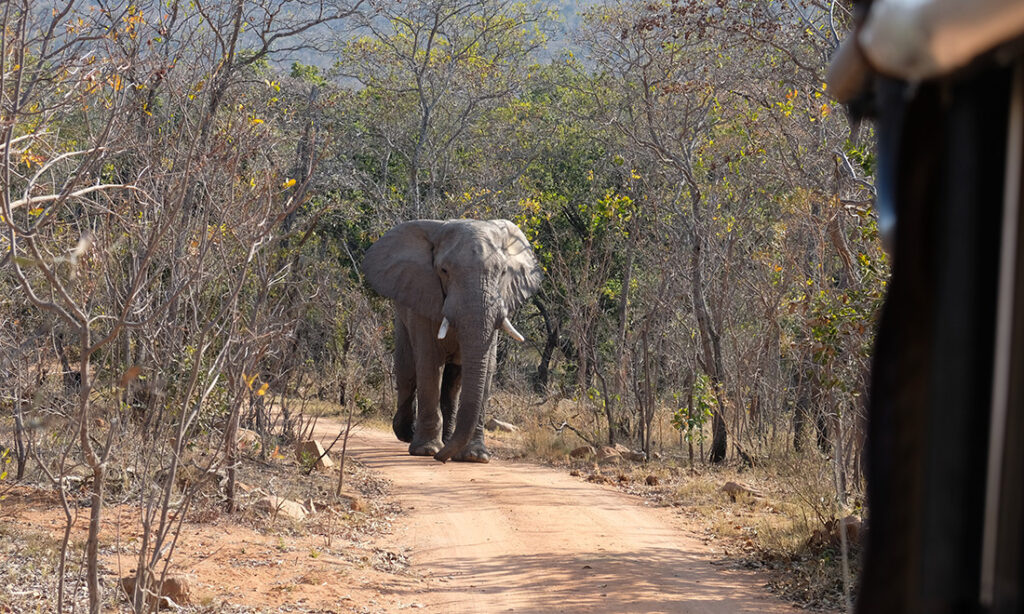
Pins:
x,y
571,12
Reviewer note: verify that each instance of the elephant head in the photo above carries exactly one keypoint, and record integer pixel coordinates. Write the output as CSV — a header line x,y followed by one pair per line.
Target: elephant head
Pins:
x,y
467,277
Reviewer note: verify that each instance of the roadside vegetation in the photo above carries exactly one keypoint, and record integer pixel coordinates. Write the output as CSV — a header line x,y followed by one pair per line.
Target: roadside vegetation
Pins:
x,y
187,189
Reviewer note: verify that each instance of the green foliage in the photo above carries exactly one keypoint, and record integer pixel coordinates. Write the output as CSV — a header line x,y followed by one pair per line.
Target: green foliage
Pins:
x,y
308,462
862,156
307,73
691,415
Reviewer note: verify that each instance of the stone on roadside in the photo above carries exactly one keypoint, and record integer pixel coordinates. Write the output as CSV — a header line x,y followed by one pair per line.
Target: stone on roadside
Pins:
x,y
607,455
248,440
283,508
174,592
206,482
353,502
635,456
734,490
494,424
309,451
582,452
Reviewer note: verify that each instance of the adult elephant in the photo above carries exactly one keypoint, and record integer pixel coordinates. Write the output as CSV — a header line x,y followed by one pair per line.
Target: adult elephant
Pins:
x,y
454,283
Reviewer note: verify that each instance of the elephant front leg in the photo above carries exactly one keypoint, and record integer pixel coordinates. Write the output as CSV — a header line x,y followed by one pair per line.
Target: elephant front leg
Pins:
x,y
476,451
404,421
427,439
451,383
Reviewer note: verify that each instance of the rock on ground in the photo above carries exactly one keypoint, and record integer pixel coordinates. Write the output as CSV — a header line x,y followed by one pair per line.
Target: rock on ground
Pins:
x,y
348,501
306,451
607,455
248,439
498,425
281,507
583,452
174,591
635,456
734,490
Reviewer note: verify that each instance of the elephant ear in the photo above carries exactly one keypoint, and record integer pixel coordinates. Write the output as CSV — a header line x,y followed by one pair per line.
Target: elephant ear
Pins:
x,y
524,271
400,266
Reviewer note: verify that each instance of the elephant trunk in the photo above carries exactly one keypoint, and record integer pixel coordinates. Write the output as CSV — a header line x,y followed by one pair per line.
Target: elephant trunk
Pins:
x,y
476,379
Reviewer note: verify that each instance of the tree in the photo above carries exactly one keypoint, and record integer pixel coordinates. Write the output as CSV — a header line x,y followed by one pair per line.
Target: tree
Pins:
x,y
432,69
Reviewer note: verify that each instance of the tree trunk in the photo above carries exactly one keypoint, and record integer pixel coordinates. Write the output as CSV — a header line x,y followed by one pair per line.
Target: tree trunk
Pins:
x,y
92,573
231,442
801,413
550,343
620,346
711,346
20,444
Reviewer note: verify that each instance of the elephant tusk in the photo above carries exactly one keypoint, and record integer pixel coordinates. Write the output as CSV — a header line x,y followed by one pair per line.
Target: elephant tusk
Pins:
x,y
443,331
511,330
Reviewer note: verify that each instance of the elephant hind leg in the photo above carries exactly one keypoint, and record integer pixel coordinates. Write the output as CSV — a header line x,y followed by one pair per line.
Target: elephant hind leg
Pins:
x,y
451,384
403,424
404,421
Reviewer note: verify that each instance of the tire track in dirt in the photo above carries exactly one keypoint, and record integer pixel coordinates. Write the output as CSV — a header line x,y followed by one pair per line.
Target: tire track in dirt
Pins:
x,y
517,537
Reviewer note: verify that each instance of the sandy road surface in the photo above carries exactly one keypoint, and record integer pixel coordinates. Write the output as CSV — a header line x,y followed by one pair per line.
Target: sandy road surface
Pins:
x,y
507,537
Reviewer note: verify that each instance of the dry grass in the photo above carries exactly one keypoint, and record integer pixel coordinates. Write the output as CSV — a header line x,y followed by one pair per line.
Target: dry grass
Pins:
x,y
28,572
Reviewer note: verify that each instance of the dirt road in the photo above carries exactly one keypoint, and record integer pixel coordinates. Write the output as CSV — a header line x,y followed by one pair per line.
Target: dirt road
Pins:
x,y
515,537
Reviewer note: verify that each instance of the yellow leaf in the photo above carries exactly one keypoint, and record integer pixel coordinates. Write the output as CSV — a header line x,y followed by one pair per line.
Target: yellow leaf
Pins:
x,y
288,183
263,389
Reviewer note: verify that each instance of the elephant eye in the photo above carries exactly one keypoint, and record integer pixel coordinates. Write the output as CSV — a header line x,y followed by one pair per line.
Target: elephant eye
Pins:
x,y
444,271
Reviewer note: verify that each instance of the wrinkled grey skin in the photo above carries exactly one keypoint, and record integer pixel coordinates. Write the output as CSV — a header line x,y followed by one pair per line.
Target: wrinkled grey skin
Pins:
x,y
475,273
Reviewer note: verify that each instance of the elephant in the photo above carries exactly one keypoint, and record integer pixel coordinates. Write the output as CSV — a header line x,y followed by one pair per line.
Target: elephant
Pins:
x,y
454,283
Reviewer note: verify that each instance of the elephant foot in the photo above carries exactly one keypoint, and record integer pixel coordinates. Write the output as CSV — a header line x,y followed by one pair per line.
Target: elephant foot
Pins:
x,y
473,454
403,427
427,448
